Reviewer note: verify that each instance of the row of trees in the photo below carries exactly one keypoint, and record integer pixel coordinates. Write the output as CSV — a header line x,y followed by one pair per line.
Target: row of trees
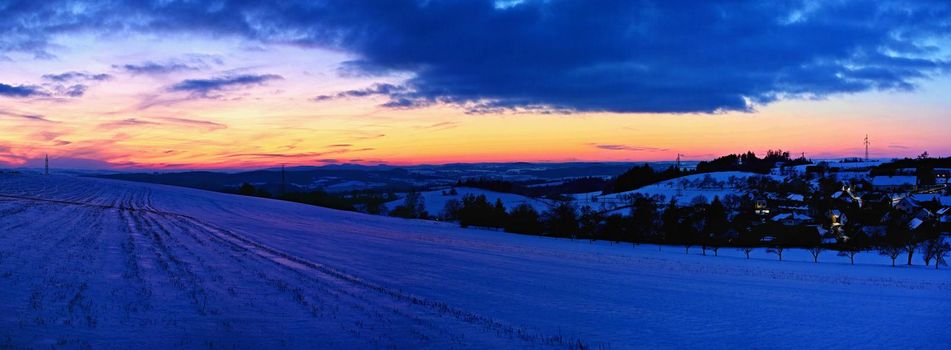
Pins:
x,y
709,226
750,162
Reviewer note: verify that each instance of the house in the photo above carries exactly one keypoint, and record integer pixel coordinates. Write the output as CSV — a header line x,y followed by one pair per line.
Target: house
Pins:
x,y
945,201
791,219
908,205
825,237
761,207
837,221
848,196
795,197
915,223
885,183
942,176
944,219
890,199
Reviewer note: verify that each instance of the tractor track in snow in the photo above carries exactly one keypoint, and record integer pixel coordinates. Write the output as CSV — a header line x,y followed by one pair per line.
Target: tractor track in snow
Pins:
x,y
155,239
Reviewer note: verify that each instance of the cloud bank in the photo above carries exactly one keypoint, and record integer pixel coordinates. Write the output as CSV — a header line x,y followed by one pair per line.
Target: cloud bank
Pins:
x,y
612,56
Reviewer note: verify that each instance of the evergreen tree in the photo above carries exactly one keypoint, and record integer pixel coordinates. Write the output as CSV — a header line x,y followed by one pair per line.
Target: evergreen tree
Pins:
x,y
476,211
498,214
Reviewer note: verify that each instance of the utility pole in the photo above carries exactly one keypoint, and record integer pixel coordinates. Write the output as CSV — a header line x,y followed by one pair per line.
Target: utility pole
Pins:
x,y
866,147
47,171
678,162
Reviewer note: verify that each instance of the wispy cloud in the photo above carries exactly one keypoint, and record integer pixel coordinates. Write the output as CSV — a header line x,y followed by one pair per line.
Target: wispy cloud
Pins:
x,y
29,117
209,125
74,76
388,90
617,147
154,68
130,122
296,155
163,121
204,87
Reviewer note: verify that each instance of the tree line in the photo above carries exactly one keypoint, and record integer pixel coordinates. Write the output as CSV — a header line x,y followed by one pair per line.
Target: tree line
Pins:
x,y
728,222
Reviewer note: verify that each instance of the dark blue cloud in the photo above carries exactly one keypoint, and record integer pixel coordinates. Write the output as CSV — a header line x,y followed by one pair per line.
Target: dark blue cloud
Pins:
x,y
562,56
155,68
375,90
20,91
74,76
77,90
203,87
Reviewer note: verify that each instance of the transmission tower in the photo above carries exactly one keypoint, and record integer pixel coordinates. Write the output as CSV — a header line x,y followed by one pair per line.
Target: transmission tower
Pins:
x,y
866,147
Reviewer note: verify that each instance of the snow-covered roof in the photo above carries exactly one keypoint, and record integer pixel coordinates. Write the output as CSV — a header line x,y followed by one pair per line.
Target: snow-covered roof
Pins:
x,y
796,197
923,198
914,223
901,180
793,216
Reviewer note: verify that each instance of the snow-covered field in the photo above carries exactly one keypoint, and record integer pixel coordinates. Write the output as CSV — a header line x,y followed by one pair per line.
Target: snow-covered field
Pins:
x,y
88,263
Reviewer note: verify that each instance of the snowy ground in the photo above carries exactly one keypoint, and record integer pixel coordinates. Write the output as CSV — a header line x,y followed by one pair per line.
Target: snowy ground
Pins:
x,y
88,263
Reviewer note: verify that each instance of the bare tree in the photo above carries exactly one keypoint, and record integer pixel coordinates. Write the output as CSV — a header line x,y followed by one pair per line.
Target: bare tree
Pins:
x,y
850,252
815,251
778,250
910,247
938,250
891,251
747,250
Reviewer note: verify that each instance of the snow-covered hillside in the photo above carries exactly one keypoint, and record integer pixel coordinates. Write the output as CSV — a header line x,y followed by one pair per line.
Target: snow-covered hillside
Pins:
x,y
88,263
436,200
683,190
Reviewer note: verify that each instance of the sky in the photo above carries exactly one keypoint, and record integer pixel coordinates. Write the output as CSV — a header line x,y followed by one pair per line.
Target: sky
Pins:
x,y
245,84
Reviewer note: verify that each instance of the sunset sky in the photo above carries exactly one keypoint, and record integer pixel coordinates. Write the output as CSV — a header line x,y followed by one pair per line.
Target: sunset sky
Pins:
x,y
231,84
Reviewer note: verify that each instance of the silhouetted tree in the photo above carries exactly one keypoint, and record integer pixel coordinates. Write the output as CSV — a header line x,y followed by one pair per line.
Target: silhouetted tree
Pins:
x,y
413,207
451,210
498,214
476,211
778,250
247,189
562,220
815,251
746,251
523,219
643,218
936,249
716,225
890,250
589,222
